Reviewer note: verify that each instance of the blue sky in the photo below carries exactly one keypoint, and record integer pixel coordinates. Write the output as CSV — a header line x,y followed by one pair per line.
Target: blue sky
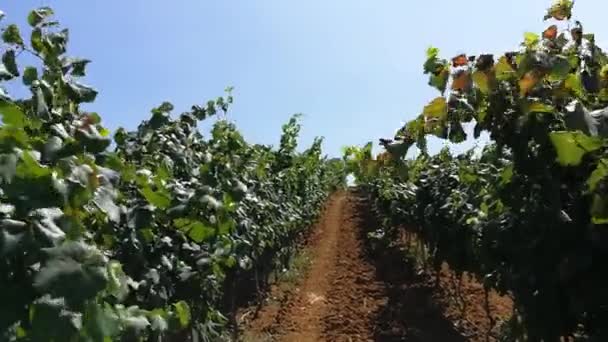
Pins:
x,y
352,67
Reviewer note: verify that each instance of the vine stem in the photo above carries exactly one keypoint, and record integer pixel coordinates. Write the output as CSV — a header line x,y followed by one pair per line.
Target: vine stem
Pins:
x,y
488,313
235,330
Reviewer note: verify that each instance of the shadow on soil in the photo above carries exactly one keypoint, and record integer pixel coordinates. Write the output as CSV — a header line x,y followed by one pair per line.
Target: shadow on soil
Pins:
x,y
410,313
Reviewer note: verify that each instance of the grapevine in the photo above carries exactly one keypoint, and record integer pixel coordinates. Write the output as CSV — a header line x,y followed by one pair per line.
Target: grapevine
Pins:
x,y
526,216
144,239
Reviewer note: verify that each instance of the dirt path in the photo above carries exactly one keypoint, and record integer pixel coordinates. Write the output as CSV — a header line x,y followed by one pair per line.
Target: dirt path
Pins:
x,y
346,295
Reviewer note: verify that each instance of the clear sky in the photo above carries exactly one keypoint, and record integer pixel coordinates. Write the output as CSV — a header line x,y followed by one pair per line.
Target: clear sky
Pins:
x,y
352,67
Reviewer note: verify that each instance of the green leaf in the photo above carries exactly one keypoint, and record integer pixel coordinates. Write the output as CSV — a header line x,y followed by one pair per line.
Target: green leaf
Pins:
x,y
12,233
36,40
52,320
55,43
12,115
75,271
42,110
162,173
440,80
506,175
158,320
196,230
432,52
77,65
398,150
456,133
4,96
104,132
182,311
228,200
226,226
160,199
598,174
92,139
574,83
134,320
438,68
120,136
599,209
30,168
8,59
211,202
230,261
8,167
572,146
80,92
560,68
37,16
117,281
45,222
11,35
164,107
104,200
101,323
432,61
5,75
30,75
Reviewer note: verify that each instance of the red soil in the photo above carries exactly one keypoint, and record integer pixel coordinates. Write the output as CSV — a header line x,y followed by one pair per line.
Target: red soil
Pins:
x,y
351,294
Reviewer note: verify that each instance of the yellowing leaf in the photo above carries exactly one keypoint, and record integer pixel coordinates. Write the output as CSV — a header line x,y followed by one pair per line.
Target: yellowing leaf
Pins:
x,y
550,32
436,109
504,69
460,60
531,40
528,82
604,72
603,95
462,81
484,62
182,310
539,107
432,52
572,146
483,81
600,173
560,10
